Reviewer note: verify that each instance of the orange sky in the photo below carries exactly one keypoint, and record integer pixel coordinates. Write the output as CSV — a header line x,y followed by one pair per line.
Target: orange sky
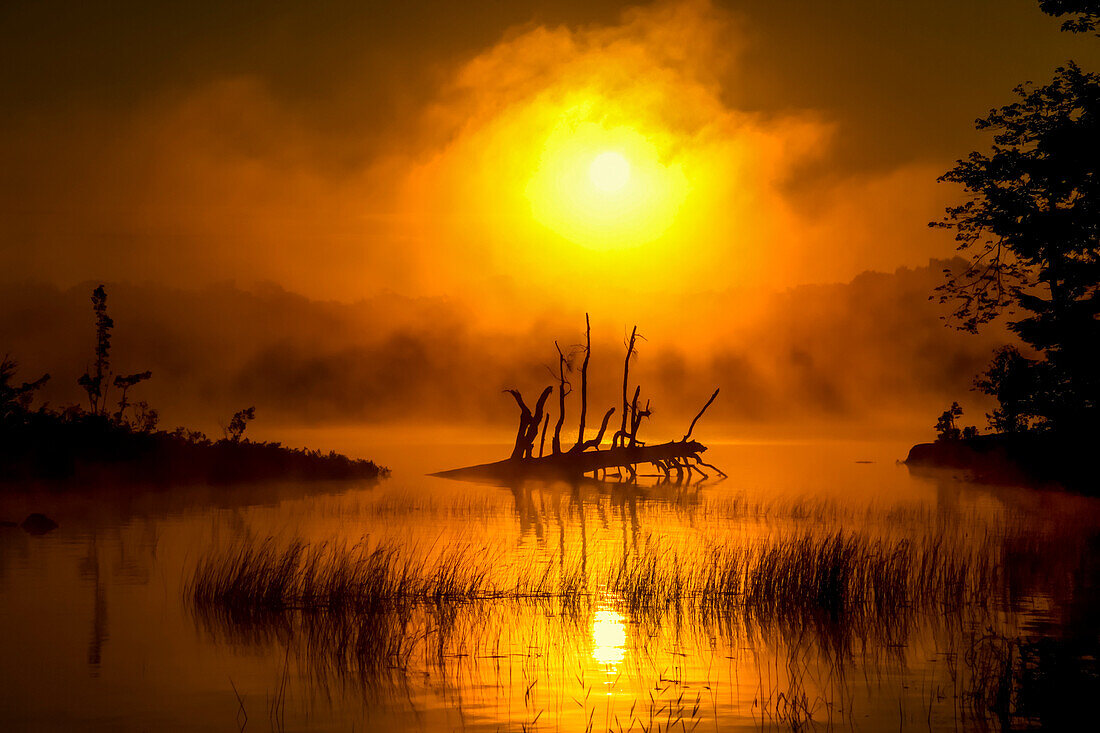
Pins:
x,y
231,166
345,151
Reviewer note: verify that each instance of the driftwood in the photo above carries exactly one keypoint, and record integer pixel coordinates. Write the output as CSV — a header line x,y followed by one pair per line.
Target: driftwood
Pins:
x,y
665,457
674,461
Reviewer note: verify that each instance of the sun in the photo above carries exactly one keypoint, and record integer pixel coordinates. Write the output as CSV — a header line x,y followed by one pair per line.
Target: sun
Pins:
x,y
606,187
609,171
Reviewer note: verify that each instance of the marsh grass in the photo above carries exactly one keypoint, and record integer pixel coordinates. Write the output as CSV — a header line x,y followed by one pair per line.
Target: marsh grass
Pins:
x,y
839,574
362,578
369,614
382,599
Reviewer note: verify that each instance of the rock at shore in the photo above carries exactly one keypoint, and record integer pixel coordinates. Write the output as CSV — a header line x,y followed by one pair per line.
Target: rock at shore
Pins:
x,y
38,524
1020,458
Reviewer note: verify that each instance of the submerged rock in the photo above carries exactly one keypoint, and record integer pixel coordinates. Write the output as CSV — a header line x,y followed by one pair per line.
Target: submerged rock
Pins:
x,y
38,524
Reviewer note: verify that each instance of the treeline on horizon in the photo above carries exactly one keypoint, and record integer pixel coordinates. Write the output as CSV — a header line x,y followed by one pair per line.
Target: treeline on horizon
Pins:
x,y
868,352
119,441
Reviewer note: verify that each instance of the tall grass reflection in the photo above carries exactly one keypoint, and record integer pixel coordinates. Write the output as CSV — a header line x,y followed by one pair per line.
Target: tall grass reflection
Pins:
x,y
764,608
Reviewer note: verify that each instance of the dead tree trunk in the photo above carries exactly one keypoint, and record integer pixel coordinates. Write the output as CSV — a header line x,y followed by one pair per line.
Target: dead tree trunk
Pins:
x,y
524,421
529,423
562,393
615,440
584,382
636,417
542,442
536,420
675,453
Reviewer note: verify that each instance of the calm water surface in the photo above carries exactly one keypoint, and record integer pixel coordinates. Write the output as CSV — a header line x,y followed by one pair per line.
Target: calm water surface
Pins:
x,y
97,632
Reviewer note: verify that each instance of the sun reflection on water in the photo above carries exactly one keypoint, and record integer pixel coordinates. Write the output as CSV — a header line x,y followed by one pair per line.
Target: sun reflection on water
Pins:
x,y
608,637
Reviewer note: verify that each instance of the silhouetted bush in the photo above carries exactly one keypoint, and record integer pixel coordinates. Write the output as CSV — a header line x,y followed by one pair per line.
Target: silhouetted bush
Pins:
x,y
93,446
85,447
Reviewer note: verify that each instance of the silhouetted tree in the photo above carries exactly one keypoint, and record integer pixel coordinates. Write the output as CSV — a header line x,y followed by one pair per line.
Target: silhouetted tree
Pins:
x,y
945,426
95,383
1016,382
16,399
240,421
1085,14
124,384
145,417
1032,231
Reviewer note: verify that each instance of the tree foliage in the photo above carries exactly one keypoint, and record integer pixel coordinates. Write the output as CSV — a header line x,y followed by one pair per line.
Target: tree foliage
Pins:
x,y
16,399
240,421
946,429
1016,382
1031,229
1084,14
124,383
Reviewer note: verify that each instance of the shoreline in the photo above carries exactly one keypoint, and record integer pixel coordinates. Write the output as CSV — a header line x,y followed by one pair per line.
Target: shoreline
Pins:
x,y
1043,459
92,450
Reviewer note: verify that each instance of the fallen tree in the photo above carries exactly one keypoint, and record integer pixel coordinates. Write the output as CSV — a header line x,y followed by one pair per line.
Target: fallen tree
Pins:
x,y
674,461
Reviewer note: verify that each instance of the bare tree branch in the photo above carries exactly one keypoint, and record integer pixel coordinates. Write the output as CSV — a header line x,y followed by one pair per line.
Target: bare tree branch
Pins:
x,y
692,426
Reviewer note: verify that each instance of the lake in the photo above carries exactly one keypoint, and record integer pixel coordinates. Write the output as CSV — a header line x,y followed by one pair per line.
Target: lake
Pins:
x,y
820,585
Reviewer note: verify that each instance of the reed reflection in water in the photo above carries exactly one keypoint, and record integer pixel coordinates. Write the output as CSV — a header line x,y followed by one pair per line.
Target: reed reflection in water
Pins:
x,y
806,591
770,607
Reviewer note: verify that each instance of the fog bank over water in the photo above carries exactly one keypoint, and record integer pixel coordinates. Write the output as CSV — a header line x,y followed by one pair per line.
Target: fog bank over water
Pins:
x,y
866,356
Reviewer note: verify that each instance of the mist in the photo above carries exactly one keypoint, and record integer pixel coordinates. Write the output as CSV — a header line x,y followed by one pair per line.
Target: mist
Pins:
x,y
863,357
374,198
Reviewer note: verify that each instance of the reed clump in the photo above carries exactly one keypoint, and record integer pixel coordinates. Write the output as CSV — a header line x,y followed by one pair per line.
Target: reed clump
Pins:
x,y
327,577
841,585
839,575
370,612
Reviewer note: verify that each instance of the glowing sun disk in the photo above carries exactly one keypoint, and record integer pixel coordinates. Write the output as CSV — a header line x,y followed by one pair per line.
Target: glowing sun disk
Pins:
x,y
609,171
606,187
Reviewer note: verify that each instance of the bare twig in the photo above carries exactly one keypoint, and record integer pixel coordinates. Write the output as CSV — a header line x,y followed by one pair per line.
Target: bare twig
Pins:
x,y
692,426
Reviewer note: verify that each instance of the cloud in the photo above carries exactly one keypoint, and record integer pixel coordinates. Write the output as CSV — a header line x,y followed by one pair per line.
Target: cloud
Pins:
x,y
226,180
404,195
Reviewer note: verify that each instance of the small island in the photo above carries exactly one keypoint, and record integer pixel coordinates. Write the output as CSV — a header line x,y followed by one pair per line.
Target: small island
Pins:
x,y
98,445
